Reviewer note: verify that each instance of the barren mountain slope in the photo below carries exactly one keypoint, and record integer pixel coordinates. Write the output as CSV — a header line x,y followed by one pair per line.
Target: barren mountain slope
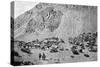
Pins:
x,y
74,21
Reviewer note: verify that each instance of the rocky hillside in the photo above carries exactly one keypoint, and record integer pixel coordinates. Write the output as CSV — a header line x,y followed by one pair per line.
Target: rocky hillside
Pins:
x,y
45,20
55,33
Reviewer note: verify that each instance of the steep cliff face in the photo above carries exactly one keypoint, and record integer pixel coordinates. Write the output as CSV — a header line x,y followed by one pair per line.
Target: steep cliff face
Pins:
x,y
54,20
47,19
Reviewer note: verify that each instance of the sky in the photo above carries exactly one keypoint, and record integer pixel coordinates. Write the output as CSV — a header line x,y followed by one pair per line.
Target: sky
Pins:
x,y
22,6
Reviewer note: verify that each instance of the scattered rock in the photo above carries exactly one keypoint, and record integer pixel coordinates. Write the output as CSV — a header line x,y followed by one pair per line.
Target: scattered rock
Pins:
x,y
86,55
